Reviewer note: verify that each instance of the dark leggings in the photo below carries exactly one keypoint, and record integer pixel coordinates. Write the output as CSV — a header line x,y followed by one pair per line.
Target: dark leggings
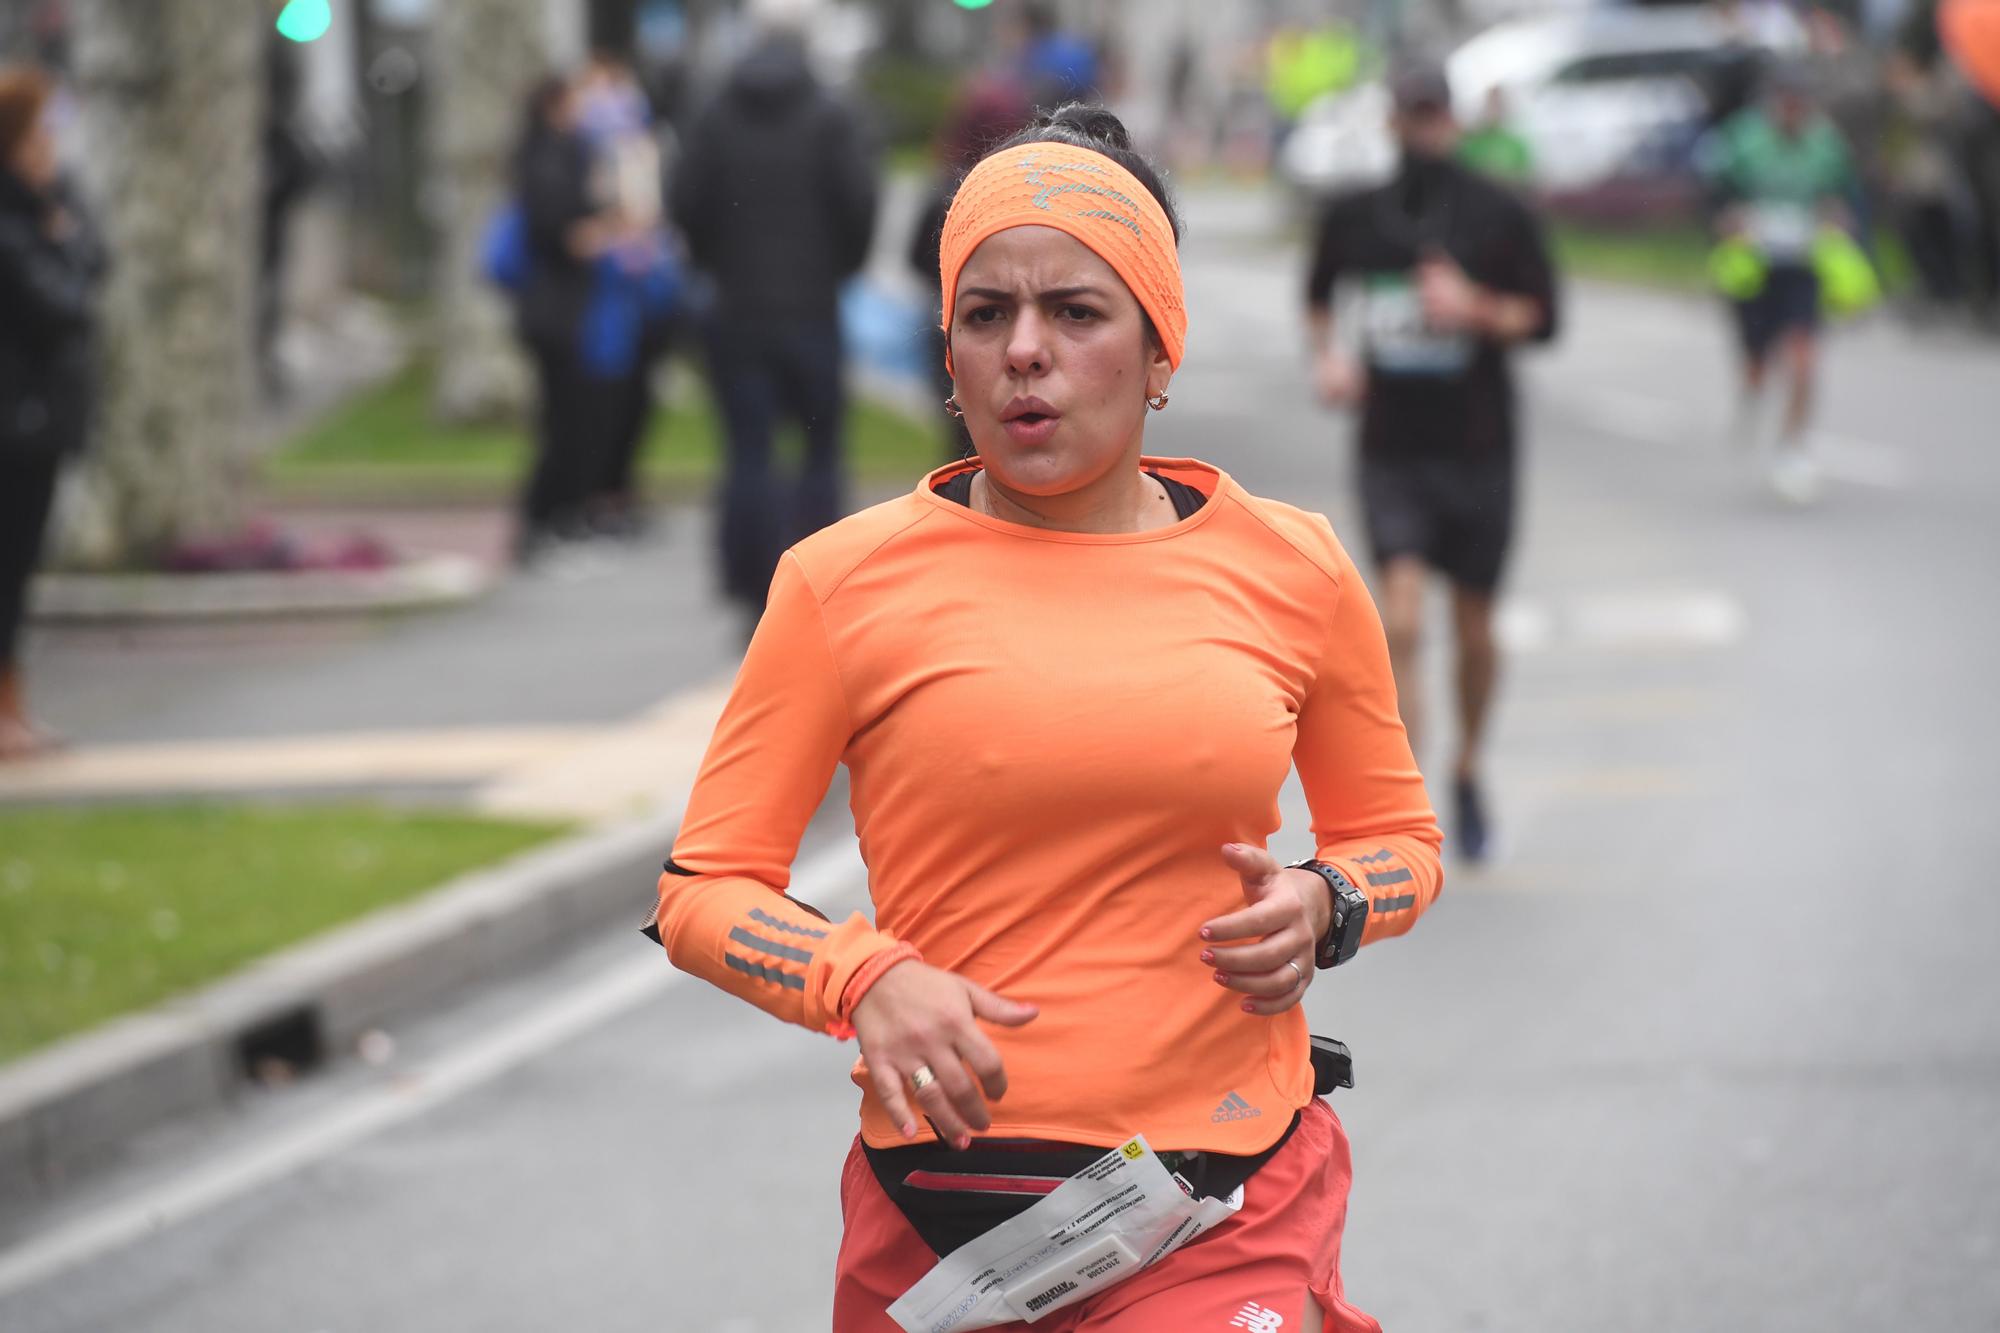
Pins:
x,y
27,493
569,444
764,372
628,410
1931,235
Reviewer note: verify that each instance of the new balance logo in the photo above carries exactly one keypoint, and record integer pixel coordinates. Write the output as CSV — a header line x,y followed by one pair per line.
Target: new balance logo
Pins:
x,y
1257,1318
1234,1108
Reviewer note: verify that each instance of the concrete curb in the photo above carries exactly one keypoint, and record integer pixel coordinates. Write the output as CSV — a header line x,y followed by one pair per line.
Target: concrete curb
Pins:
x,y
433,580
67,1110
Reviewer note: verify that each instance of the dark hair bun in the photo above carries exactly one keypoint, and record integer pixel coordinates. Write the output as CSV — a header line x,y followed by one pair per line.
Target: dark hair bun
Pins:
x,y
1089,125
1089,120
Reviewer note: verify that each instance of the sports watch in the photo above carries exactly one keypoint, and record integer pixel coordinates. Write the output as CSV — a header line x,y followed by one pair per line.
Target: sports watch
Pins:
x,y
1350,915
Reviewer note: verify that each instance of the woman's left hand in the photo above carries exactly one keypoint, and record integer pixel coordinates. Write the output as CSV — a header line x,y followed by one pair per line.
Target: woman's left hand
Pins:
x,y
1267,950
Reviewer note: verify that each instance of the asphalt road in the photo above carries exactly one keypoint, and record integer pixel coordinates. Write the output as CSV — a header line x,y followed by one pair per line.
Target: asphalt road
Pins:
x,y
1716,1044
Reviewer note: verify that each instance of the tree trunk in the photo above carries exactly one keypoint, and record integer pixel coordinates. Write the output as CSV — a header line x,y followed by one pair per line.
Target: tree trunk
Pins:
x,y
170,98
488,54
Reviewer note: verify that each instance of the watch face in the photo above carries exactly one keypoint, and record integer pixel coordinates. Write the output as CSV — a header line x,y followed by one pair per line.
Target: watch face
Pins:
x,y
1357,902
1353,921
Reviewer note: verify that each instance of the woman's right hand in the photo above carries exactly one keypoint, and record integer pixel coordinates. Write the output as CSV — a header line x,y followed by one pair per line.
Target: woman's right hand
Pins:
x,y
918,1016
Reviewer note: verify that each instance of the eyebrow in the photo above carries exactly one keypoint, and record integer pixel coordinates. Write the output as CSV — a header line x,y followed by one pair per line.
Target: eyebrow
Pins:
x,y
1052,294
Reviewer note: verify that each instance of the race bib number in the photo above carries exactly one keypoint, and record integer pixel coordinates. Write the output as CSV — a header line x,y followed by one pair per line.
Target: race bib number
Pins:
x,y
1782,231
1399,340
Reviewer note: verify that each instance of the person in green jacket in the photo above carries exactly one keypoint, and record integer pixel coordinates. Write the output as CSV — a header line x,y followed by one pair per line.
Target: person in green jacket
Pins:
x,y
1779,173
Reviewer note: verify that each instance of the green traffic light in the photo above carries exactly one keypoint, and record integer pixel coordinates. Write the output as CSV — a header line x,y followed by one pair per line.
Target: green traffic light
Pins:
x,y
972,4
305,20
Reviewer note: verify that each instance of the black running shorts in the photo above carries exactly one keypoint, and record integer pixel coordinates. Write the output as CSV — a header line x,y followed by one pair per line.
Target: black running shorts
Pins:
x,y
1789,300
1455,515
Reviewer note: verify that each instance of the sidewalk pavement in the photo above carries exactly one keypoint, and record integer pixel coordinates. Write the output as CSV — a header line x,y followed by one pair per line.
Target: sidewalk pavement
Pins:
x,y
589,643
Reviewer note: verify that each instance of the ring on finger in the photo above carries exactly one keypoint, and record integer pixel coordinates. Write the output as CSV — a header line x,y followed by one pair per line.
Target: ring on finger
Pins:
x,y
1297,972
921,1077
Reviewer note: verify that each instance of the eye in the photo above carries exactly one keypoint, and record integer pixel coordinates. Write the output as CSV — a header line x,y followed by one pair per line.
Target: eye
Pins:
x,y
1078,313
985,314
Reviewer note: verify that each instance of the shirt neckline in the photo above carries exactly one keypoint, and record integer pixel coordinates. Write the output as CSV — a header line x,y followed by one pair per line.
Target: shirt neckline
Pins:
x,y
1204,477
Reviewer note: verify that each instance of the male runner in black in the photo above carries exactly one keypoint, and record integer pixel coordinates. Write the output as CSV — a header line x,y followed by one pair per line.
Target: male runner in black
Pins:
x,y
1453,272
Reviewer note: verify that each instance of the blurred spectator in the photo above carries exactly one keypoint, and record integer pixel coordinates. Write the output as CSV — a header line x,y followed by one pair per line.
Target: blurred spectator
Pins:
x,y
1976,143
574,327
1493,147
1918,176
991,106
776,195
1058,66
1183,135
288,175
1847,83
50,264
1971,138
616,118
1303,65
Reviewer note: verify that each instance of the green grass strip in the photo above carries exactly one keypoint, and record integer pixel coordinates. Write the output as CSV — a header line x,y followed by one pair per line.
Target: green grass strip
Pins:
x,y
385,440
104,910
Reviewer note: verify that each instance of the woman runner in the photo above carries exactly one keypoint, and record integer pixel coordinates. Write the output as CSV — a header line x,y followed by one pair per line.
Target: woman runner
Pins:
x,y
1068,681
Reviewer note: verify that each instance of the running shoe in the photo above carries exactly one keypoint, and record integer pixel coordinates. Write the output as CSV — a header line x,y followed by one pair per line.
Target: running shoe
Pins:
x,y
1474,836
1795,476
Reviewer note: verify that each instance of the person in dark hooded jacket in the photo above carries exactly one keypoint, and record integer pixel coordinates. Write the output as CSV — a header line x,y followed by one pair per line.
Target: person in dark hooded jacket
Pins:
x,y
775,196
51,262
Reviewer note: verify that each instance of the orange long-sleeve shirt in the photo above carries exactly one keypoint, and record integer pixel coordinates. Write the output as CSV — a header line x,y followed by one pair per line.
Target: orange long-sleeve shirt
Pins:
x,y
1049,737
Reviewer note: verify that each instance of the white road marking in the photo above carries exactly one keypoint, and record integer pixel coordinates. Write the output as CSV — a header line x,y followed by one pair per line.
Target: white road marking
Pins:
x,y
1524,626
1636,619
1665,619
829,878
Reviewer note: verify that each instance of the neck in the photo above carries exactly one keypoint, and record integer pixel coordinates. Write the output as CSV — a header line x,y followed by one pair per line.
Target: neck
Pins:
x,y
1122,501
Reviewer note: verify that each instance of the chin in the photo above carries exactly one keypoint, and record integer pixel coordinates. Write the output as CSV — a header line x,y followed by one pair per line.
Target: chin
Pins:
x,y
1039,471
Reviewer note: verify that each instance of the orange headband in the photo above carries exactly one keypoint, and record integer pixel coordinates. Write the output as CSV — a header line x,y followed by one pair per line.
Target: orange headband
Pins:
x,y
1085,194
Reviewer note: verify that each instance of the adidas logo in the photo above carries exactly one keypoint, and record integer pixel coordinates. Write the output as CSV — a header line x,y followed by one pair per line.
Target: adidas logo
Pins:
x,y
1234,1108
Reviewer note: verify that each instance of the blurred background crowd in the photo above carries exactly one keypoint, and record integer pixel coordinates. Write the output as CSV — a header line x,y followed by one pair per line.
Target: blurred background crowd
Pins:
x,y
515,196
372,144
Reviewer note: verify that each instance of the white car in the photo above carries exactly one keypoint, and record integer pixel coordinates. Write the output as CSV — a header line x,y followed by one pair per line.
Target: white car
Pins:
x,y
1597,94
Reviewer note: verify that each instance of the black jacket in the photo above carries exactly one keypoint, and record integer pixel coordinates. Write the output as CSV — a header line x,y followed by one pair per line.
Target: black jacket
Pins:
x,y
776,191
552,182
48,291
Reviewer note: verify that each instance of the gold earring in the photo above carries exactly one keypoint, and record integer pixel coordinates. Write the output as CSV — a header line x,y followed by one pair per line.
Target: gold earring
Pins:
x,y
1158,402
951,407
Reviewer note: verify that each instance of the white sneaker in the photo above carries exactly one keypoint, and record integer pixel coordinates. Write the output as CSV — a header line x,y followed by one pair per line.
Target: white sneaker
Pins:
x,y
1795,476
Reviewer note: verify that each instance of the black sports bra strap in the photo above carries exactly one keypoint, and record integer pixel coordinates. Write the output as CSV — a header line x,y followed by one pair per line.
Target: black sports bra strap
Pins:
x,y
1187,500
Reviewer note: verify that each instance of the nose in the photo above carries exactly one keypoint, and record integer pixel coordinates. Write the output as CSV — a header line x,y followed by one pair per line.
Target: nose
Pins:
x,y
1028,344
